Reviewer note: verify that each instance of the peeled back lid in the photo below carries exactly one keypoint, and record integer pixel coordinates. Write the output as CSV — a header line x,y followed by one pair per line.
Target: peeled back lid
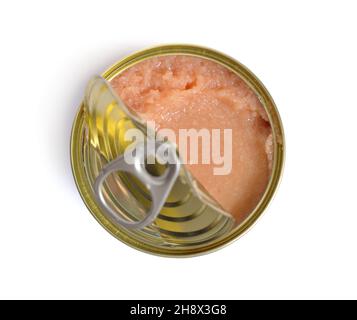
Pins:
x,y
188,215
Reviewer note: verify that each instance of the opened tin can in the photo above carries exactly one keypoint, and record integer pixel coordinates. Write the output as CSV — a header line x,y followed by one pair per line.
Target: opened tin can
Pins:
x,y
160,209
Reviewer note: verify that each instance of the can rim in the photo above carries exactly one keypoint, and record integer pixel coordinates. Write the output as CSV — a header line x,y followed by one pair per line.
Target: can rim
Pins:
x,y
278,138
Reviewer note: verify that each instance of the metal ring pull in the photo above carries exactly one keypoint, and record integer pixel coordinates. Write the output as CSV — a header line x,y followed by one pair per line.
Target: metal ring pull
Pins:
x,y
158,186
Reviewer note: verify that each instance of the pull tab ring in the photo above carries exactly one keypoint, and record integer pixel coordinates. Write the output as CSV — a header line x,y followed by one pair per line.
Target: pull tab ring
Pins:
x,y
159,187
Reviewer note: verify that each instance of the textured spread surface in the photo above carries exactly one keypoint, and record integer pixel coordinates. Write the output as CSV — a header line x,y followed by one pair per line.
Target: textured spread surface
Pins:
x,y
183,92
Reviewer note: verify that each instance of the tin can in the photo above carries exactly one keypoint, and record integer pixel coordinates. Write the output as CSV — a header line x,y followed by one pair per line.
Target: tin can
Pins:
x,y
189,223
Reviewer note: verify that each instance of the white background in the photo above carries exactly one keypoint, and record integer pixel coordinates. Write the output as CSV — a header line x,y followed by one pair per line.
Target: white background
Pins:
x,y
304,246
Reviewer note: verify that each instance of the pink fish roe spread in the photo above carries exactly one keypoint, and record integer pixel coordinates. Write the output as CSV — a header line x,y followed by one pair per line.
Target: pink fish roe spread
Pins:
x,y
183,92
